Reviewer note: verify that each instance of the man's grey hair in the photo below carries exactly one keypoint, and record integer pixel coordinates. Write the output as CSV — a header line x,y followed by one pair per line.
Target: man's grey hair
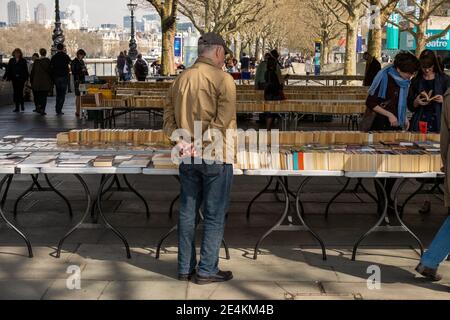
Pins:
x,y
206,48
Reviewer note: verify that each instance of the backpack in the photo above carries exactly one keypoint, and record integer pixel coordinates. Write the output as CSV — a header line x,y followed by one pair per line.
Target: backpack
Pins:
x,y
141,67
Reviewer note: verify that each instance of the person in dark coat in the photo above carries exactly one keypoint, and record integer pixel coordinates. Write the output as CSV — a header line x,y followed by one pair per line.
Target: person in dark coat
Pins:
x,y
373,66
41,81
273,84
429,78
427,114
120,65
388,97
79,72
60,73
141,68
17,73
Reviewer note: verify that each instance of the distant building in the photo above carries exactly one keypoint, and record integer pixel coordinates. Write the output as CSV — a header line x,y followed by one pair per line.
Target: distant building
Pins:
x,y
185,27
110,26
139,25
127,22
40,14
13,13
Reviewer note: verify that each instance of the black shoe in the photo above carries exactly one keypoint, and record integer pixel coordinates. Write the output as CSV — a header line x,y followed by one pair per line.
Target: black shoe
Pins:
x,y
36,110
43,113
16,110
429,273
186,277
220,276
59,113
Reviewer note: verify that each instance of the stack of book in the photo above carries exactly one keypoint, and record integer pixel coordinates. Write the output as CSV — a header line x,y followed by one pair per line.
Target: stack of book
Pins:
x,y
140,161
113,136
163,161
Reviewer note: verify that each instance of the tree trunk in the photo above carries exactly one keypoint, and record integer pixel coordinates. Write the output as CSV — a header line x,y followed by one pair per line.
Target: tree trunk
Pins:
x,y
257,49
324,53
375,43
237,47
421,40
350,47
167,58
375,32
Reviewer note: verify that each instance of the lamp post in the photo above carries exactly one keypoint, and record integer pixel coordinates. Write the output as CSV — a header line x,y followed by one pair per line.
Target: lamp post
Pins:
x,y
132,52
58,36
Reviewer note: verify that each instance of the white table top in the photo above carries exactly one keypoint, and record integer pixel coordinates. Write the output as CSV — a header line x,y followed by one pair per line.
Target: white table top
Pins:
x,y
28,170
7,170
300,173
175,172
392,175
91,170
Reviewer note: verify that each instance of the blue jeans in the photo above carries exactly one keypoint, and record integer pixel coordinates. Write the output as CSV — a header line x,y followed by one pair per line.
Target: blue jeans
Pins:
x,y
439,248
205,187
61,84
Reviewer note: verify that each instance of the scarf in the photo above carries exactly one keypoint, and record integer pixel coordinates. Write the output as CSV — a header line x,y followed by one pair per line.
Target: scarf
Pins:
x,y
381,82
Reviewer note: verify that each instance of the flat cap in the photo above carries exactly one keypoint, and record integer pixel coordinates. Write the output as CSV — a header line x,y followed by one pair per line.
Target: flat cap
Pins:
x,y
212,38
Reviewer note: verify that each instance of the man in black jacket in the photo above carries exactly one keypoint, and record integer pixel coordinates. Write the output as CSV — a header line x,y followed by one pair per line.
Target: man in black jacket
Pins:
x,y
372,68
60,63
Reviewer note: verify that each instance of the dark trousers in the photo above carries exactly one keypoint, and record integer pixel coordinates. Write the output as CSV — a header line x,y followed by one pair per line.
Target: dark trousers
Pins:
x,y
40,100
18,86
61,84
206,187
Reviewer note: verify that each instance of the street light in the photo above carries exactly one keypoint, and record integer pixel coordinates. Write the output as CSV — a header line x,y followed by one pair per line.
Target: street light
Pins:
x,y
132,52
58,36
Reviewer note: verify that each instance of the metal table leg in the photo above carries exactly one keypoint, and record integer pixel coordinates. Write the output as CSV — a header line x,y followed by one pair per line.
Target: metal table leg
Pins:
x,y
399,218
12,226
257,196
302,221
132,189
278,226
377,224
172,204
119,188
39,188
83,218
5,193
336,196
100,210
59,194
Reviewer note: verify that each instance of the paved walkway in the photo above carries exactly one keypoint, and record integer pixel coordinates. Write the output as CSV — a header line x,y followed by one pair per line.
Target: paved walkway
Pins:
x,y
290,266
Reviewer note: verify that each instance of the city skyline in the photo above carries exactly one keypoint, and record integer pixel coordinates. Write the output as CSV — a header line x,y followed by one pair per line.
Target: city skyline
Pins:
x,y
95,10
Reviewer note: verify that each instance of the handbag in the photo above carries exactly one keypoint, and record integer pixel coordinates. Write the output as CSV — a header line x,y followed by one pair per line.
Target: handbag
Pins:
x,y
369,117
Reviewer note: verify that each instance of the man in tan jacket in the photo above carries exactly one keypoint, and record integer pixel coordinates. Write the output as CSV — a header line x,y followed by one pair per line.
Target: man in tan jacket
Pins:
x,y
202,100
440,246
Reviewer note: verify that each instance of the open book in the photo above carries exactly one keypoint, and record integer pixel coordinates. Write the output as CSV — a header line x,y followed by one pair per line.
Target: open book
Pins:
x,y
428,96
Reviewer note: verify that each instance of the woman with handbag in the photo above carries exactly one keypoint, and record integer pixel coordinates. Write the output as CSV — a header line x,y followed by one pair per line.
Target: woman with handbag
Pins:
x,y
387,104
17,73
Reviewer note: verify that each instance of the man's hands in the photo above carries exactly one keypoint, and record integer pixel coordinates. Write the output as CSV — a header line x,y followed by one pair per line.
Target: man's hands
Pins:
x,y
186,149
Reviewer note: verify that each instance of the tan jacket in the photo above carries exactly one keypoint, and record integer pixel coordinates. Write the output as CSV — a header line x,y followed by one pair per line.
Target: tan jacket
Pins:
x,y
203,93
445,141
